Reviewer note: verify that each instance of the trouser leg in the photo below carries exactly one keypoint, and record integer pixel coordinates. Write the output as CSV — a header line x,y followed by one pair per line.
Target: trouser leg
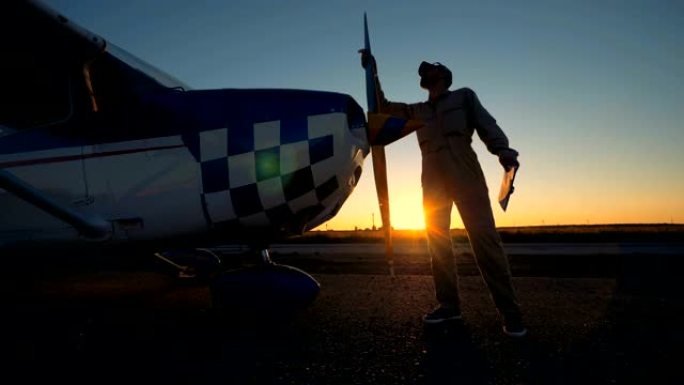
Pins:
x,y
491,259
437,209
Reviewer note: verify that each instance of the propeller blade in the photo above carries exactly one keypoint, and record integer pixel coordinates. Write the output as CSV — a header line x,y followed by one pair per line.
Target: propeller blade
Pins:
x,y
371,91
378,155
380,174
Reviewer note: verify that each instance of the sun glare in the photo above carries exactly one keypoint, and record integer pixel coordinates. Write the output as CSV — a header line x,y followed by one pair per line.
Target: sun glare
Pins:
x,y
407,212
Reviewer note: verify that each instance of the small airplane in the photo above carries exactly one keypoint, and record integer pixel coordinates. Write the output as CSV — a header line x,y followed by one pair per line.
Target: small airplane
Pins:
x,y
100,151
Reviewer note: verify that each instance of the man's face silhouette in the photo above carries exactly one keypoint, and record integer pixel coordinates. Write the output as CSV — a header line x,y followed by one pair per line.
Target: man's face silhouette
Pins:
x,y
431,75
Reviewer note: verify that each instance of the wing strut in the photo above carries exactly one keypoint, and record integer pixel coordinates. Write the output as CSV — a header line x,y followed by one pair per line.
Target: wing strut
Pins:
x,y
90,227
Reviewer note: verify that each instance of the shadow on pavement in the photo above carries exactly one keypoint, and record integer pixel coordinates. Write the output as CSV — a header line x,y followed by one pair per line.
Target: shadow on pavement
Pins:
x,y
451,356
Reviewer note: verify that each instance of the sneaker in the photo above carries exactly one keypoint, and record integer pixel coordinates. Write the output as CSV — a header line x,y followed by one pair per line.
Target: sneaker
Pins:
x,y
442,314
513,327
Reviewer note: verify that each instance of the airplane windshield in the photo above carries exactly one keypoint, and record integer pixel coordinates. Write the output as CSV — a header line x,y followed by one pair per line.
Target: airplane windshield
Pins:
x,y
159,76
120,79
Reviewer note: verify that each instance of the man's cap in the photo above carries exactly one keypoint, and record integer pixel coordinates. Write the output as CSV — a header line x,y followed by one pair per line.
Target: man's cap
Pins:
x,y
425,68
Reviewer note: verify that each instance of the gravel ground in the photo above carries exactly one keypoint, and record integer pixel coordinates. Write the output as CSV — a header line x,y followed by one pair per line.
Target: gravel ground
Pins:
x,y
114,326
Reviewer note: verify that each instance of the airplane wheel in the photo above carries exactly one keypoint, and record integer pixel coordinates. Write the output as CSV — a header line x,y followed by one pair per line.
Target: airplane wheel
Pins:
x,y
271,290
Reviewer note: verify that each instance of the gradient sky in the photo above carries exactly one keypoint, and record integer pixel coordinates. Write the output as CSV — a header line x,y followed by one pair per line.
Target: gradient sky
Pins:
x,y
590,93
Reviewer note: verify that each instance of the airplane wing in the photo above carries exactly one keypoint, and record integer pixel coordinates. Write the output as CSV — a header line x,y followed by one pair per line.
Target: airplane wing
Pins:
x,y
36,24
38,28
89,226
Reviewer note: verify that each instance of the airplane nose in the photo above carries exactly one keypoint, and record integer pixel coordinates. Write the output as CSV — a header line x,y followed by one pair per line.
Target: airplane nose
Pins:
x,y
356,120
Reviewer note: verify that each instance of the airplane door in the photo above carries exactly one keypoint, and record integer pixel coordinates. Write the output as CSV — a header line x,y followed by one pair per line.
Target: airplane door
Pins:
x,y
36,108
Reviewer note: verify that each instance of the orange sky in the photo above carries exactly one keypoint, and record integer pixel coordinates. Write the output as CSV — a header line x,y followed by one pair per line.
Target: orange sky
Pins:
x,y
539,199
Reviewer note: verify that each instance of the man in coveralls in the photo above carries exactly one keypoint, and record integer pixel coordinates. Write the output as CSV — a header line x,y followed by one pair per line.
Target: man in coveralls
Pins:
x,y
452,174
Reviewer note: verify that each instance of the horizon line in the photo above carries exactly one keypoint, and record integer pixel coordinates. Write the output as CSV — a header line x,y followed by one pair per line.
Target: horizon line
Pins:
x,y
379,228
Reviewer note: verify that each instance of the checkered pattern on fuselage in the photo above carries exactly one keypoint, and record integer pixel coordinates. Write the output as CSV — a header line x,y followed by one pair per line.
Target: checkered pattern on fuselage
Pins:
x,y
265,174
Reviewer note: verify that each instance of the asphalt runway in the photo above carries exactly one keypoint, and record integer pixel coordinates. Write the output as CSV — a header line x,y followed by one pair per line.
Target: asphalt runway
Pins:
x,y
552,249
131,322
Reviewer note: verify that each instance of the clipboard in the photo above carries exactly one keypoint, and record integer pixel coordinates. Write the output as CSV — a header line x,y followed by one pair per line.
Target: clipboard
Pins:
x,y
507,187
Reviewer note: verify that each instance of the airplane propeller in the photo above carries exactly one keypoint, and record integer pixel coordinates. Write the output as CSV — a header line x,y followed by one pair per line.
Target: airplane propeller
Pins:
x,y
378,153
383,129
380,174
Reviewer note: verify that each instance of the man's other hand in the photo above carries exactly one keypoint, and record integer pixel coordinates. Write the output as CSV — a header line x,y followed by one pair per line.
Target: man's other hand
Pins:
x,y
366,58
508,159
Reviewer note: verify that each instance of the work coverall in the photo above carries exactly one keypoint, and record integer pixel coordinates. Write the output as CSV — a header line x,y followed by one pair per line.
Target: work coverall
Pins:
x,y
451,174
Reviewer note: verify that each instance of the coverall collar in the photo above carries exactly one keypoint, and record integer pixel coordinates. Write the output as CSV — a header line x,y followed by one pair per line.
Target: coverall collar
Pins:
x,y
439,97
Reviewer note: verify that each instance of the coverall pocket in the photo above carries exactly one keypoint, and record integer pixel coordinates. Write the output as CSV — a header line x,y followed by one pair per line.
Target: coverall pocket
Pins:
x,y
454,122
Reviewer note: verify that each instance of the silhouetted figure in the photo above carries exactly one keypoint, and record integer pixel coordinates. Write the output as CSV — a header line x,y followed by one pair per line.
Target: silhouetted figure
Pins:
x,y
452,174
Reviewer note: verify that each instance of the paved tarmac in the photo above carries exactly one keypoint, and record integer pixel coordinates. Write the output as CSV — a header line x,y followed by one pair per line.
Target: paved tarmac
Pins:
x,y
130,322
552,249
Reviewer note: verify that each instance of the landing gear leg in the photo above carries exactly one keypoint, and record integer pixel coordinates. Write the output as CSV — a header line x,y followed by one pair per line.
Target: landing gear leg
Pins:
x,y
266,257
184,271
191,264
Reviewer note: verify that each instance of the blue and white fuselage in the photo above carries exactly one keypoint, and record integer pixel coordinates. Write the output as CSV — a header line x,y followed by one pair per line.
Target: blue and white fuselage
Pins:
x,y
225,162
